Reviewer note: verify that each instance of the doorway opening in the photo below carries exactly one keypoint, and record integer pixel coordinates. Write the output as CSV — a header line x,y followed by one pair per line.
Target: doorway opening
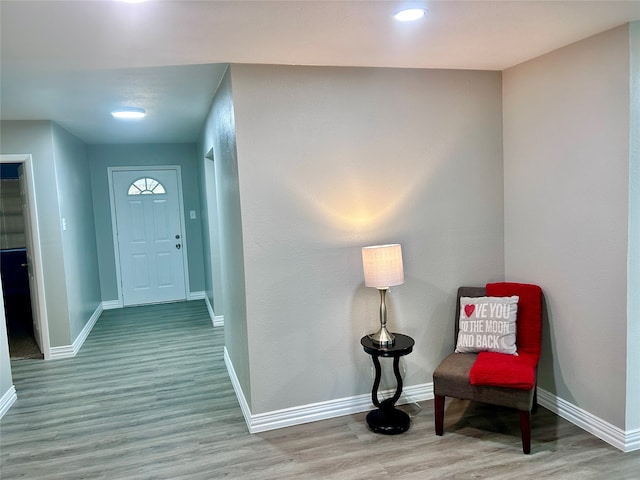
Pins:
x,y
20,265
13,266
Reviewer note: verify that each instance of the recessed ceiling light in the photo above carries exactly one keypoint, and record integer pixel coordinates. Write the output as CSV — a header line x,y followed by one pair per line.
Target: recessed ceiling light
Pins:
x,y
410,14
129,113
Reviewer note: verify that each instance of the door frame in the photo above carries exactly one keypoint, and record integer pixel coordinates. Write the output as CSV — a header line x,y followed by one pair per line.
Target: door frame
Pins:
x,y
114,225
39,310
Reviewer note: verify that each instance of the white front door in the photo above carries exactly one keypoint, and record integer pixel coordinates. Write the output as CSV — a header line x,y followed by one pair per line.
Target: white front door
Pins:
x,y
149,235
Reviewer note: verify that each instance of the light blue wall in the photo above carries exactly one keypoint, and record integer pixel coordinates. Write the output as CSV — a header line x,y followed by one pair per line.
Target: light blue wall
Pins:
x,y
219,134
35,138
103,156
212,233
213,230
62,190
78,236
210,223
204,227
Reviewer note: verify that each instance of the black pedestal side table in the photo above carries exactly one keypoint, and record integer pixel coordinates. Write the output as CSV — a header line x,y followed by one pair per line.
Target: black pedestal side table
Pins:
x,y
387,418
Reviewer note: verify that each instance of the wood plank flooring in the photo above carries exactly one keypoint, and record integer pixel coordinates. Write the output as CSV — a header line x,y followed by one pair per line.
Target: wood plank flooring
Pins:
x,y
148,397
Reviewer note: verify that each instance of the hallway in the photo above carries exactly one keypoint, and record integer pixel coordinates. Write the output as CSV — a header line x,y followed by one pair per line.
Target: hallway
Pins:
x,y
146,391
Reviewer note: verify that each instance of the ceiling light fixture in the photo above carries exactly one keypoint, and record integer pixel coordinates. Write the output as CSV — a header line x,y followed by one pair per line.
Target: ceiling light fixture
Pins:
x,y
129,113
410,14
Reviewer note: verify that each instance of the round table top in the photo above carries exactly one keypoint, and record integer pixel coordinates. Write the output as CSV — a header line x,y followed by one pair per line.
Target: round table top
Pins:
x,y
403,345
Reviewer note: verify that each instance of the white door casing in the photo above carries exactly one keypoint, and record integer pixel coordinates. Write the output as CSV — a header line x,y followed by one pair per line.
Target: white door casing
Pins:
x,y
149,234
28,231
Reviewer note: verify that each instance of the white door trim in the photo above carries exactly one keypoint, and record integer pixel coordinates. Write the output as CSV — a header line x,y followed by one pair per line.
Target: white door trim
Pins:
x,y
39,311
183,234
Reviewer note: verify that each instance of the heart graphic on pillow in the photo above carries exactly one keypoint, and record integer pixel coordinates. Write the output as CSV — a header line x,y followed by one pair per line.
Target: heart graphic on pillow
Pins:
x,y
469,309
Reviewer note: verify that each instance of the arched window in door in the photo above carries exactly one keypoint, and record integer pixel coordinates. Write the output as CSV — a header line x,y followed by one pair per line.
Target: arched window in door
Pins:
x,y
146,186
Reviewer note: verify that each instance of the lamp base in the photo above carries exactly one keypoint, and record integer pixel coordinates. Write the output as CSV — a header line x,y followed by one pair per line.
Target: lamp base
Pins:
x,y
382,337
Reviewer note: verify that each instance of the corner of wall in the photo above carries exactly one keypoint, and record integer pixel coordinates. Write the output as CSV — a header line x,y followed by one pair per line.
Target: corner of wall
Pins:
x,y
633,266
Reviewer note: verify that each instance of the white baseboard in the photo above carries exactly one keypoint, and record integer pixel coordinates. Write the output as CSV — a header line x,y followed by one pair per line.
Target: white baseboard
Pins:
x,y
111,304
63,351
196,296
632,440
244,406
316,411
627,441
7,400
332,408
288,417
416,393
68,351
212,314
216,320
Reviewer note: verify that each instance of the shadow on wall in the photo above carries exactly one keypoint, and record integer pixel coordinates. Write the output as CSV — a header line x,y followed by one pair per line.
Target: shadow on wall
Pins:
x,y
548,377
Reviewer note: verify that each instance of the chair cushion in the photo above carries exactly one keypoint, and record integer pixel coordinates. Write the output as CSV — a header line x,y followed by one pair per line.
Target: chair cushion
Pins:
x,y
502,370
451,379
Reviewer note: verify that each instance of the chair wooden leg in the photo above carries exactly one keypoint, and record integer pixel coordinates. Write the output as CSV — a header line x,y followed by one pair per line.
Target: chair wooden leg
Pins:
x,y
439,414
525,429
534,408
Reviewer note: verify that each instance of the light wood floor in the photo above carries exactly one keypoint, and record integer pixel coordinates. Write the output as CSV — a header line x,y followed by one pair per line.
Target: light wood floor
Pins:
x,y
148,397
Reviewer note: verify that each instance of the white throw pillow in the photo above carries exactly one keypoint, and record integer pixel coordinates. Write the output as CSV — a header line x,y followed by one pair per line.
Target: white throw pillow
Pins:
x,y
487,324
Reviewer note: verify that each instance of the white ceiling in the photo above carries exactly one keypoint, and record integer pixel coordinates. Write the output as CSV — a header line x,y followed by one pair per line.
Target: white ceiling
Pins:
x,y
74,61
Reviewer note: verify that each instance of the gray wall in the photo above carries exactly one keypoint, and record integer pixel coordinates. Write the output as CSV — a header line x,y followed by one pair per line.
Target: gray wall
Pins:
x,y
62,189
35,138
210,223
103,156
633,287
333,159
219,135
213,236
204,227
80,255
566,151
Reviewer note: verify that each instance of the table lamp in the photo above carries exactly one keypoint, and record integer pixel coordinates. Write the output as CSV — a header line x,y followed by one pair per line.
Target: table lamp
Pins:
x,y
382,266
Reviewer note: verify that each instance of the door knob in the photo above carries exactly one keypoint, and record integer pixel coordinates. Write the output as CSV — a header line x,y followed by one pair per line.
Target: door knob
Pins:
x,y
178,246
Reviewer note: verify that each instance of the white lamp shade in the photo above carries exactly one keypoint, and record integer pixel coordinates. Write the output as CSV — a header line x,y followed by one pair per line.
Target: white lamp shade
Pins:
x,y
382,266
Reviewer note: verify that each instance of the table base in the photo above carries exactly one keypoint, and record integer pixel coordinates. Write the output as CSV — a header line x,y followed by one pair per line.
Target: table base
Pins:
x,y
389,421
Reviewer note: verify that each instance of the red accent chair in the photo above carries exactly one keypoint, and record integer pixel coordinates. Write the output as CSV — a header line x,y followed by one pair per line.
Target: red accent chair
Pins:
x,y
496,378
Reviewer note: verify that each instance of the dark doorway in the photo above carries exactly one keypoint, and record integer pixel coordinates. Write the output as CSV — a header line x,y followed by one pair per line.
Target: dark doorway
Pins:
x,y
13,267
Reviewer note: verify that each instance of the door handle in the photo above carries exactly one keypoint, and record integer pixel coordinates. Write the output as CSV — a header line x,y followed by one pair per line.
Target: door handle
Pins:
x,y
24,264
178,246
